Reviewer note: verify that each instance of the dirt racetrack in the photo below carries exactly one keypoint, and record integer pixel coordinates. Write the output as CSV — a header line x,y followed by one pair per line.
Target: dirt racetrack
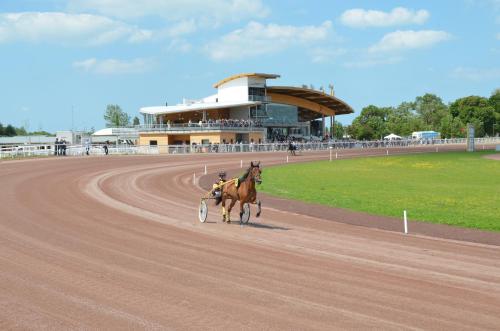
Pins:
x,y
115,243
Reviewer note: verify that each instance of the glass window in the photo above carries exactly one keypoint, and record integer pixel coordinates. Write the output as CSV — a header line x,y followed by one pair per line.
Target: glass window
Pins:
x,y
280,113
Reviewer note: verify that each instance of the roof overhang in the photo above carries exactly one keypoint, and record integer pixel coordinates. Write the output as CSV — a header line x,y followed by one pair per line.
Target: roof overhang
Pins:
x,y
252,74
313,100
164,110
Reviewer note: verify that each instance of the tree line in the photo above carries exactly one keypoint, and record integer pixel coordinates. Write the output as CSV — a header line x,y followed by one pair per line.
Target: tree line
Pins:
x,y
11,131
429,112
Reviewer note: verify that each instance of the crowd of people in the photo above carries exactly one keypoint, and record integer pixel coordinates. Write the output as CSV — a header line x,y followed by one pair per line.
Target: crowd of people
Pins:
x,y
230,123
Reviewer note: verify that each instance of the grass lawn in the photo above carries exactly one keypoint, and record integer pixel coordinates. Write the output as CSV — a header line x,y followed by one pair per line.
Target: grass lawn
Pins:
x,y
456,188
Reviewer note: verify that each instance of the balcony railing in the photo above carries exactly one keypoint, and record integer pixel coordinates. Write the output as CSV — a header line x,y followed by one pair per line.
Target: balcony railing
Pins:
x,y
199,127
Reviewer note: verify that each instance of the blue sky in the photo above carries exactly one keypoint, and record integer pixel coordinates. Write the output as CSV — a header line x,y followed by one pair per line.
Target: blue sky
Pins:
x,y
64,57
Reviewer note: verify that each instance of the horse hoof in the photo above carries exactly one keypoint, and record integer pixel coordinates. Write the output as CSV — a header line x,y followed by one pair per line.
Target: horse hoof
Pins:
x,y
257,215
228,221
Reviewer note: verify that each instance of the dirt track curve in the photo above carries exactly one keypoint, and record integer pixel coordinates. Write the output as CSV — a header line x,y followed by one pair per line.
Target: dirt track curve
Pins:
x,y
114,243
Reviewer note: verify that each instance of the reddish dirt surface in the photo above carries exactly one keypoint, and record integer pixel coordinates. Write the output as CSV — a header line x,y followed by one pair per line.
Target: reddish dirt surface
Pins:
x,y
493,156
115,243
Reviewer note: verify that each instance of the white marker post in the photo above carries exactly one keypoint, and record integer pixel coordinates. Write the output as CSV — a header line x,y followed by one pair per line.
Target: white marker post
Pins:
x,y
194,178
205,169
437,149
336,156
387,152
405,222
287,159
330,154
241,164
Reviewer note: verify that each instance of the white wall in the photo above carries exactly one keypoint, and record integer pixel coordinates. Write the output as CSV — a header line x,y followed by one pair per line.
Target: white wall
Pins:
x,y
234,90
211,99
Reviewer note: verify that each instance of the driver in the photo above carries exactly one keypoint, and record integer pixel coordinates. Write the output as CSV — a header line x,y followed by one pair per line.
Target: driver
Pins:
x,y
217,188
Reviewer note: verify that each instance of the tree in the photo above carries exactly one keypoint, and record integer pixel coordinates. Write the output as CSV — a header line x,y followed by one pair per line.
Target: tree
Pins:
x,y
403,120
116,117
41,133
432,109
21,131
338,130
136,121
452,127
495,103
1,130
10,131
370,124
477,111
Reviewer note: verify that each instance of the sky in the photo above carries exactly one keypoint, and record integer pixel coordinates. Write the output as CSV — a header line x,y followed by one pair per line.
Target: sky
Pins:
x,y
63,61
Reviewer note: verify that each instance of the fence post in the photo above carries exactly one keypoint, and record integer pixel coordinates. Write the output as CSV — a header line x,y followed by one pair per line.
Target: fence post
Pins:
x,y
405,222
194,178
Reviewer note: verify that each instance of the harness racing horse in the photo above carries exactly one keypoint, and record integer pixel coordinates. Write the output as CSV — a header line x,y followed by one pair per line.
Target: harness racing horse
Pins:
x,y
242,190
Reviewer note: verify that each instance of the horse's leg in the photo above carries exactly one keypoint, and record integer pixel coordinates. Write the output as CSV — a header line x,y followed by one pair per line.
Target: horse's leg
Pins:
x,y
228,217
259,209
241,209
223,209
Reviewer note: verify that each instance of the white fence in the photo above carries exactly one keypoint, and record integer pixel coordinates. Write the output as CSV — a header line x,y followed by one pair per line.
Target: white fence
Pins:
x,y
47,150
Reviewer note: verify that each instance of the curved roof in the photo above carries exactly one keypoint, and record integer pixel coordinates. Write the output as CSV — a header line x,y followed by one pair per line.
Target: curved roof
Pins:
x,y
249,74
310,99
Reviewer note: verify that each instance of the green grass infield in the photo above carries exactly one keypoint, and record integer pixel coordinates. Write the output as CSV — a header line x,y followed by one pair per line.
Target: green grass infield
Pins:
x,y
455,188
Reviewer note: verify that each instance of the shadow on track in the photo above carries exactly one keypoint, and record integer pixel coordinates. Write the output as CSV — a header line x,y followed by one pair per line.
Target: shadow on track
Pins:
x,y
264,226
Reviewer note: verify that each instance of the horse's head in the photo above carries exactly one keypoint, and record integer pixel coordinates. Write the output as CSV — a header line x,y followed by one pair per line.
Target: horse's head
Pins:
x,y
255,172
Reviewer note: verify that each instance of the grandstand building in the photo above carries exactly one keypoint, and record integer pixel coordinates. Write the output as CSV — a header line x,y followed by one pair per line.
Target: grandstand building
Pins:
x,y
244,110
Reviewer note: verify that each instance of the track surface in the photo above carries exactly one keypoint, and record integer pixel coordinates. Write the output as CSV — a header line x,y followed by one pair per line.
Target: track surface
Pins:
x,y
114,243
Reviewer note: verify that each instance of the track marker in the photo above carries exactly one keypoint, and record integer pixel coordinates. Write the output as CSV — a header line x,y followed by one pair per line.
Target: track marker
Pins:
x,y
405,222
330,154
387,152
336,155
205,169
241,163
287,159
194,178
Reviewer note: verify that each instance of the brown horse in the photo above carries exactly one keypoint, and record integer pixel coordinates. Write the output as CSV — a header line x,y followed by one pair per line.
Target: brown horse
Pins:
x,y
244,193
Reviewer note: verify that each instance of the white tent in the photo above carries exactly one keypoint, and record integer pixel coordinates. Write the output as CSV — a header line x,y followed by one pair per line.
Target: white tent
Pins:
x,y
393,136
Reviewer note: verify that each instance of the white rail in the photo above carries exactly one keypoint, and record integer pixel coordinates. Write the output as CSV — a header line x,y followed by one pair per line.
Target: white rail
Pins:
x,y
74,150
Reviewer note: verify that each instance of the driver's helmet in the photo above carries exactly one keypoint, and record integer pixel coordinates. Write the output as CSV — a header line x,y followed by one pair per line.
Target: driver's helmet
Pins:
x,y
222,174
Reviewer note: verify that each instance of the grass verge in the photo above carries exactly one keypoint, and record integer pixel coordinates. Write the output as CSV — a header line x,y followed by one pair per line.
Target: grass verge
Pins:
x,y
455,188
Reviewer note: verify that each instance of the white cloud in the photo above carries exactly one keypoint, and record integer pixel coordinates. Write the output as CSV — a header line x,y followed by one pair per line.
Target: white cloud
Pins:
x,y
214,11
476,74
182,28
258,39
56,27
179,46
401,40
359,18
326,54
114,66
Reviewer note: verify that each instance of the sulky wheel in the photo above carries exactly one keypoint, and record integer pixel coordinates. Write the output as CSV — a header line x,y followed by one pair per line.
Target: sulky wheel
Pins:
x,y
246,213
203,211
